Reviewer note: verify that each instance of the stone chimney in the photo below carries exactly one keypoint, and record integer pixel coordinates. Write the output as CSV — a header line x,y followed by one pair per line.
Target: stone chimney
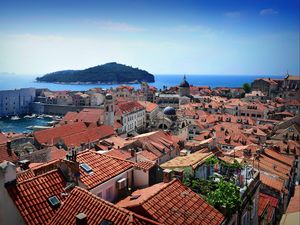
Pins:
x,y
24,164
81,219
167,175
8,147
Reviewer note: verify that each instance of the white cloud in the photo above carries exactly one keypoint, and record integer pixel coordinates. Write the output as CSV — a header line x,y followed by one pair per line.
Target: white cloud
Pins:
x,y
265,12
233,14
118,26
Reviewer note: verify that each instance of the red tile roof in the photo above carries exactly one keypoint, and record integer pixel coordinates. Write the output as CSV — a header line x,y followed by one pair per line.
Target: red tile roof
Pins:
x,y
96,210
148,155
56,153
24,175
294,204
158,142
73,134
85,115
150,106
122,154
50,136
3,139
129,107
7,155
90,135
104,167
31,196
144,165
274,183
273,200
263,205
172,203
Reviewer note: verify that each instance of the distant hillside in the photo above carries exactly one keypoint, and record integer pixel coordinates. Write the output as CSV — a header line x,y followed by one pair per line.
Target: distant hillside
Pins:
x,y
106,73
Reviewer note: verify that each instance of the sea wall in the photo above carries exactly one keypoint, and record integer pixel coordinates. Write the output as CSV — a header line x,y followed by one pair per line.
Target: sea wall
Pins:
x,y
42,108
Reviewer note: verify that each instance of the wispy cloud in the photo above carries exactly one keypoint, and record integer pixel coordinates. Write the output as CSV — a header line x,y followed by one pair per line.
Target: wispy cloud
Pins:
x,y
118,26
233,14
265,12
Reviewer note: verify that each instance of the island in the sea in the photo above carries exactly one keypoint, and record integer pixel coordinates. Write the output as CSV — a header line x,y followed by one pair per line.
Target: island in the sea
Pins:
x,y
109,73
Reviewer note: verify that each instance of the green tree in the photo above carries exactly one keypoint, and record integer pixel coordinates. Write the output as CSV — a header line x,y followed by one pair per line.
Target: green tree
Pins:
x,y
246,87
226,195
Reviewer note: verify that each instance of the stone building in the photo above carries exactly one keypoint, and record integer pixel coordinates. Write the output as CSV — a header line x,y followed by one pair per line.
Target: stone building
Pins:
x,y
16,102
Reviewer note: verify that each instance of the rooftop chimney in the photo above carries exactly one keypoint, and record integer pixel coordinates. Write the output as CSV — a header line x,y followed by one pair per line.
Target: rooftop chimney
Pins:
x,y
24,164
8,146
167,175
81,219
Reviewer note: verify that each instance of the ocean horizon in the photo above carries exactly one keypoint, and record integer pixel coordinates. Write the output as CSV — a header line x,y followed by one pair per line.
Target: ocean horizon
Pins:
x,y
10,82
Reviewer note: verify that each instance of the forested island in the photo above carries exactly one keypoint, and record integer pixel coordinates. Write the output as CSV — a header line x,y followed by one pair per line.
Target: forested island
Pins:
x,y
109,73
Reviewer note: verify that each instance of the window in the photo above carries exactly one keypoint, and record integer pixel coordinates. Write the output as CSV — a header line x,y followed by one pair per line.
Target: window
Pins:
x,y
86,168
54,201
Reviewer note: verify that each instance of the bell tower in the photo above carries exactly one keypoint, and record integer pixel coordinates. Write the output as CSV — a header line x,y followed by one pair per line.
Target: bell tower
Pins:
x,y
109,110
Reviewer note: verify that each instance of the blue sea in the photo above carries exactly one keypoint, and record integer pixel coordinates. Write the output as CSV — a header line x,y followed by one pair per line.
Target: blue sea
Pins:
x,y
8,82
21,126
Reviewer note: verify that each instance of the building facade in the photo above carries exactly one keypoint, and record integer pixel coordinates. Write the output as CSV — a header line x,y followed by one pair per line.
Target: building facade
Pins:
x,y
16,102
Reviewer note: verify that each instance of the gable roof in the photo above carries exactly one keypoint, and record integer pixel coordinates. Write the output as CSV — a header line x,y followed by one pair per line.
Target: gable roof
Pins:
x,y
31,196
172,203
96,210
104,167
49,136
85,115
73,134
128,107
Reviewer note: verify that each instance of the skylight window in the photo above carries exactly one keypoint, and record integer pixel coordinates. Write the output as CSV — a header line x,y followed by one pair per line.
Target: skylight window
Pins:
x,y
106,222
54,201
86,168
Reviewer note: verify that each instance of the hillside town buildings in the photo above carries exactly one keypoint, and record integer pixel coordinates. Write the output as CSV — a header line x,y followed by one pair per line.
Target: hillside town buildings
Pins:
x,y
182,155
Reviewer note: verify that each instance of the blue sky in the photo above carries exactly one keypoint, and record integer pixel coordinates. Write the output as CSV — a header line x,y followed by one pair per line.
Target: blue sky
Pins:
x,y
163,37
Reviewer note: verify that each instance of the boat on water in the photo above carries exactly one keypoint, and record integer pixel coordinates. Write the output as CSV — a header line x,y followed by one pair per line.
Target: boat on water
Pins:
x,y
15,118
30,117
51,123
35,128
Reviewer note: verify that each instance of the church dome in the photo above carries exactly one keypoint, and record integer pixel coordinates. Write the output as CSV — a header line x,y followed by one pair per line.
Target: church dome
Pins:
x,y
169,111
108,96
184,83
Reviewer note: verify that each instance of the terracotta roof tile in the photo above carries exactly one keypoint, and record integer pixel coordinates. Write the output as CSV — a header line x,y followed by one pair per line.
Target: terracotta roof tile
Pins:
x,y
122,154
274,183
31,196
85,115
48,136
104,167
96,210
263,205
73,134
273,201
24,175
145,165
7,155
148,155
294,204
3,139
150,106
129,107
172,203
